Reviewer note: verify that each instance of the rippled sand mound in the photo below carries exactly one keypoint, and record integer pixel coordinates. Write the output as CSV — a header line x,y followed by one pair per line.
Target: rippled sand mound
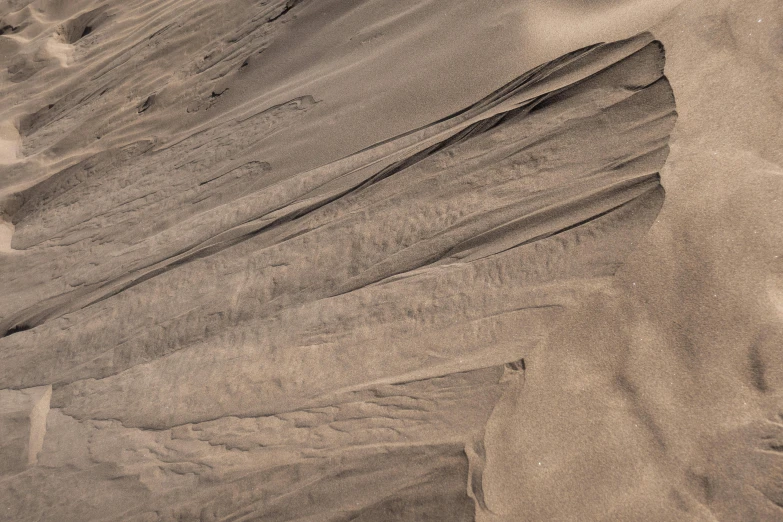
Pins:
x,y
297,260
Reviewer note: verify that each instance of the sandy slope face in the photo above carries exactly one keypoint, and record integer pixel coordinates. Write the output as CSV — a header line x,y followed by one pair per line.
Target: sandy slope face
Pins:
x,y
671,410
354,323
275,262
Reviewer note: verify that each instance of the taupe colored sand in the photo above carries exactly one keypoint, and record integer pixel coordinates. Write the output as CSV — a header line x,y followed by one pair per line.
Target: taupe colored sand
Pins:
x,y
391,260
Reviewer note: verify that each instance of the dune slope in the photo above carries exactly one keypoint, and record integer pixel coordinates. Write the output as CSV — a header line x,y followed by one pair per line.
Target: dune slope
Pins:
x,y
367,260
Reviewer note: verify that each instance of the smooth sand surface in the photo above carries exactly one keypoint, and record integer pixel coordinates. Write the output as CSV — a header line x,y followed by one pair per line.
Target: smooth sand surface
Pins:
x,y
371,260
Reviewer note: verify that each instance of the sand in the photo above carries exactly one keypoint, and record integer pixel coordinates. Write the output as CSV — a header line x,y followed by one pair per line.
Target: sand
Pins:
x,y
372,260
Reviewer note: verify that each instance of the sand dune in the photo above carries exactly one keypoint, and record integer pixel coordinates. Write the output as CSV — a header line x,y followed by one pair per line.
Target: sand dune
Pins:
x,y
372,260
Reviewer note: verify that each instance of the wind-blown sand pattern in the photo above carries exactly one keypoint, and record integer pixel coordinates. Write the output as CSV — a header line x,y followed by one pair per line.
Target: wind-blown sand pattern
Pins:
x,y
371,260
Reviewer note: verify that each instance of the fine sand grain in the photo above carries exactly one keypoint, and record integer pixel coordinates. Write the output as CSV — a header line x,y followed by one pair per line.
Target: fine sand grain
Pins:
x,y
391,260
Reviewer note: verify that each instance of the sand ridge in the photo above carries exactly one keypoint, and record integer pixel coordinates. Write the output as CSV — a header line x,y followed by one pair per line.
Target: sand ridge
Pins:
x,y
370,260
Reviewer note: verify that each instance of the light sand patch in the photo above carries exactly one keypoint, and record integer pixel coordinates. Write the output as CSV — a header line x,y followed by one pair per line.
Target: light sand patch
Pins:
x,y
6,233
9,143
